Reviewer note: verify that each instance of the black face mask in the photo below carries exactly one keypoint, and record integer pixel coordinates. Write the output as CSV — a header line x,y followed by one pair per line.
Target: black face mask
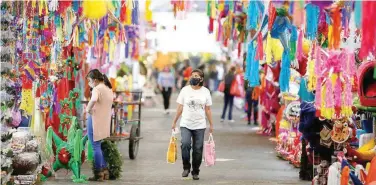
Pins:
x,y
194,81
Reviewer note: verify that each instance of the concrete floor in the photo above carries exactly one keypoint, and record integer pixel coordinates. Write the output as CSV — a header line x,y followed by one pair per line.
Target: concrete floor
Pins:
x,y
243,156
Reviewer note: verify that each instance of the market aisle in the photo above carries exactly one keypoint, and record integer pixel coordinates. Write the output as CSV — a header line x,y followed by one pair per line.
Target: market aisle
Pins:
x,y
243,156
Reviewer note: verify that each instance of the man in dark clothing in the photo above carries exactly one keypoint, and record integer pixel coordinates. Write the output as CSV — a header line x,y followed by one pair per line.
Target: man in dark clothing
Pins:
x,y
228,98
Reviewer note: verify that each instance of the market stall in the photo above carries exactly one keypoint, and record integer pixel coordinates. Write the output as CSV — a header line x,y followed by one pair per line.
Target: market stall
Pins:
x,y
47,48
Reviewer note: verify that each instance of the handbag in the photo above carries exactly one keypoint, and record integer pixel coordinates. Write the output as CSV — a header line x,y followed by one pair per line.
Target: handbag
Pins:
x,y
234,89
221,87
172,150
209,149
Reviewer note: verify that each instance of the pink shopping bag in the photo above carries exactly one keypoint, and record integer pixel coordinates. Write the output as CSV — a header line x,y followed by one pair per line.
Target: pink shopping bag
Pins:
x,y
209,151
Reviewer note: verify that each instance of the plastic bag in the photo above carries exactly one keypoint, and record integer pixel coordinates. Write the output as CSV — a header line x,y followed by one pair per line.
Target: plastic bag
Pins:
x,y
209,149
221,87
172,153
235,90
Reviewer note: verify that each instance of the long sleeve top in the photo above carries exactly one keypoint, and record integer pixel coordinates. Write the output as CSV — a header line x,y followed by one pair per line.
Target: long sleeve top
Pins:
x,y
166,79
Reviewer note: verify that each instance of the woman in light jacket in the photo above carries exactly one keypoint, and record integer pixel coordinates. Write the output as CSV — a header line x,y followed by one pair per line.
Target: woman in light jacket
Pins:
x,y
98,124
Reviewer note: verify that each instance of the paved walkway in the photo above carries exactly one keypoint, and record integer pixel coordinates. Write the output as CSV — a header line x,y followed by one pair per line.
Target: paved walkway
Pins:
x,y
243,156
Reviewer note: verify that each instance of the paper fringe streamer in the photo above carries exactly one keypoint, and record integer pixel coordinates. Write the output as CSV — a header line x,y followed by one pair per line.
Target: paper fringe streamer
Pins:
x,y
335,36
368,43
284,77
312,16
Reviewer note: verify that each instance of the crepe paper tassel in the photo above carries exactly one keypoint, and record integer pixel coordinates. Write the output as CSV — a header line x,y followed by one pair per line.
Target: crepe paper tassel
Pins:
x,y
135,13
94,9
312,18
318,61
52,6
268,49
351,63
127,49
123,12
299,50
252,66
368,42
338,96
335,36
252,15
129,10
345,174
272,15
347,104
260,48
329,100
148,12
293,39
284,77
63,6
311,76
76,6
358,14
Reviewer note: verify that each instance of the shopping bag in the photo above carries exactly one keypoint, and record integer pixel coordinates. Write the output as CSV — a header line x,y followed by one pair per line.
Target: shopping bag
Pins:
x,y
234,89
172,153
209,149
221,87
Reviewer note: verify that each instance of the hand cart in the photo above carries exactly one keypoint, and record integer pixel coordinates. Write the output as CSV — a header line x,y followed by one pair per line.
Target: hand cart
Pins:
x,y
125,103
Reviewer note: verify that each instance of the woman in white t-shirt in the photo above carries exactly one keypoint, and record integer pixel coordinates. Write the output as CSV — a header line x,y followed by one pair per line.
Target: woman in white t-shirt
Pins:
x,y
194,103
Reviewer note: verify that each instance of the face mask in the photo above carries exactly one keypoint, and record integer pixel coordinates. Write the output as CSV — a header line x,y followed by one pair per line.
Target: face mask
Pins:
x,y
195,81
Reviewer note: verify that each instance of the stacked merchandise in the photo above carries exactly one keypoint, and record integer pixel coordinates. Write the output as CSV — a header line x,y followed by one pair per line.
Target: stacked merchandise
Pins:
x,y
20,156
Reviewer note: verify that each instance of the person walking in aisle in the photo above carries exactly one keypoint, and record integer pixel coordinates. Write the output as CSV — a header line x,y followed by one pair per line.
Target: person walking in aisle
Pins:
x,y
98,123
228,98
252,96
187,70
194,102
166,83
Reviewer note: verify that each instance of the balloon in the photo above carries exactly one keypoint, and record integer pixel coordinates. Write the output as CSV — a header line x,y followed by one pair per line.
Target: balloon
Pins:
x,y
95,9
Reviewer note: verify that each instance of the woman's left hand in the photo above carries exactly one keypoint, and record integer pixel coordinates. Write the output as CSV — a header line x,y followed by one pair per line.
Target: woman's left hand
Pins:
x,y
211,129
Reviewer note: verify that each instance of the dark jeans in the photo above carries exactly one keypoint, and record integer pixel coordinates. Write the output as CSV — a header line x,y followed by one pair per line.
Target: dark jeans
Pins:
x,y
229,100
197,137
166,93
252,106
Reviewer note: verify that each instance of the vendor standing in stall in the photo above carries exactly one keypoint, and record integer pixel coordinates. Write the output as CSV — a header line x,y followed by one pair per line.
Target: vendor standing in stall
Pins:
x,y
99,108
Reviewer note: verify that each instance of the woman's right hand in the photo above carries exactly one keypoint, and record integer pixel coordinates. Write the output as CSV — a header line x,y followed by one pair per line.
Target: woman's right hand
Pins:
x,y
173,126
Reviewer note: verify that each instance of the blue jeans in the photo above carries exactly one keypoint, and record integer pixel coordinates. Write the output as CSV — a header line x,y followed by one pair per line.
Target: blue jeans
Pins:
x,y
99,161
229,100
197,137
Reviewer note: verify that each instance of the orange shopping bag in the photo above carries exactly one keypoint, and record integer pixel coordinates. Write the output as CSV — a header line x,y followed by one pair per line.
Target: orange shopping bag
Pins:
x,y
172,153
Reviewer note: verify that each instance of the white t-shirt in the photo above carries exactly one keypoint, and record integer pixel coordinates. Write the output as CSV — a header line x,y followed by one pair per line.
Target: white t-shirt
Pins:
x,y
194,102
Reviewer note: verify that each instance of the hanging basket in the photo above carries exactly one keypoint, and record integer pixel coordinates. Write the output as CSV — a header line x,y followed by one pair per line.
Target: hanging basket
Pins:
x,y
367,84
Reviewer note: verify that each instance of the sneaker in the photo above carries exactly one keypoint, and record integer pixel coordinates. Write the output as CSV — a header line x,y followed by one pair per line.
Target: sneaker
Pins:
x,y
222,120
195,177
232,121
185,173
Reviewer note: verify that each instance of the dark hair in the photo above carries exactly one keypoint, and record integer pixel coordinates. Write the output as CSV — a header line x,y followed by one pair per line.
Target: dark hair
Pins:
x,y
95,74
201,74
232,69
